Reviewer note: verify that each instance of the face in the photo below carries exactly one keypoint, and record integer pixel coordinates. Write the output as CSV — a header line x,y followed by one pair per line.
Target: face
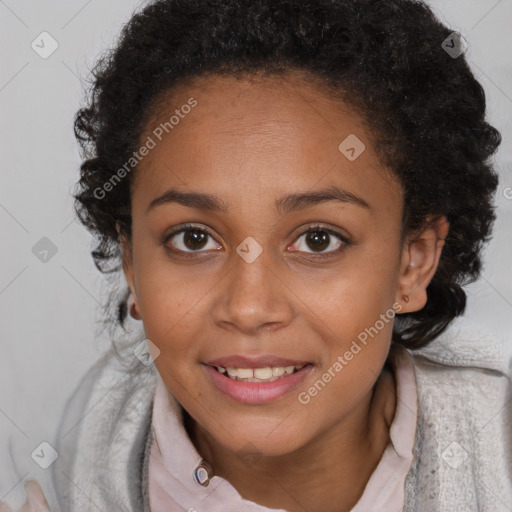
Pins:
x,y
265,271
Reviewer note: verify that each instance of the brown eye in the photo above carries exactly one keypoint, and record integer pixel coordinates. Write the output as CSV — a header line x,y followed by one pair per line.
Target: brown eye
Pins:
x,y
321,241
194,239
318,240
190,239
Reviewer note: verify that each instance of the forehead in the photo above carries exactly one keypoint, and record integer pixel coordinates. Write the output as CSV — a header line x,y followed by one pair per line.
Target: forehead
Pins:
x,y
257,137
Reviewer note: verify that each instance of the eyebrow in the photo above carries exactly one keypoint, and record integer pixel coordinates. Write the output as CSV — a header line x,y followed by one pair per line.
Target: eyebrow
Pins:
x,y
293,202
196,200
284,205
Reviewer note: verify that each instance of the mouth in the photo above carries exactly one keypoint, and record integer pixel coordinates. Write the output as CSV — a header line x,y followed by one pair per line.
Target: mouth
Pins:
x,y
256,381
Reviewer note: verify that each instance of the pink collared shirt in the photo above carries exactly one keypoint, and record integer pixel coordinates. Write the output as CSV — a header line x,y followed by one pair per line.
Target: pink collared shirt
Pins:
x,y
173,457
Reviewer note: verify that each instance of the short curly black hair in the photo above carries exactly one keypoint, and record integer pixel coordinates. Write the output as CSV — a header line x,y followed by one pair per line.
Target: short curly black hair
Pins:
x,y
384,58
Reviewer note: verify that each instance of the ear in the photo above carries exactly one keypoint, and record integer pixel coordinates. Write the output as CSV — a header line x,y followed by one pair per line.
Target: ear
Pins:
x,y
127,259
420,258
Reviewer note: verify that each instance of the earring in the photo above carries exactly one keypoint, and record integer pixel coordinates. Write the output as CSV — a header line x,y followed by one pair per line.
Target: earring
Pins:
x,y
132,306
406,298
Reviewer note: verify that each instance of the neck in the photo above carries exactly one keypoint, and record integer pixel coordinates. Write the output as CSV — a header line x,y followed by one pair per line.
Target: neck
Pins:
x,y
329,473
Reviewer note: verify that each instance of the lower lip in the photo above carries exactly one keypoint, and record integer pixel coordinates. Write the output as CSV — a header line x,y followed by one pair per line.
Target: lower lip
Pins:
x,y
257,392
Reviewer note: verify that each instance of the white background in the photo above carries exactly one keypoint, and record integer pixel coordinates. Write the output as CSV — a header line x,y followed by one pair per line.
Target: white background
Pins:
x,y
49,311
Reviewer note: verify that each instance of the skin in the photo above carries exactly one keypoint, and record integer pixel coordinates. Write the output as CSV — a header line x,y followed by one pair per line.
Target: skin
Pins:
x,y
249,142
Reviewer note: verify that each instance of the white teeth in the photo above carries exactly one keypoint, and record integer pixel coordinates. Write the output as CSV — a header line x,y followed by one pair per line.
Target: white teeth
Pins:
x,y
264,374
231,372
277,371
244,373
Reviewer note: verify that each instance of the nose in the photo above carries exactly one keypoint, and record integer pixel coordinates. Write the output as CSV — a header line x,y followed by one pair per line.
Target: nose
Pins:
x,y
254,298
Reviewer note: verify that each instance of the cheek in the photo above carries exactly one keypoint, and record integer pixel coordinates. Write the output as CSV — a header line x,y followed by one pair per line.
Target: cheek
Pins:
x,y
356,293
354,315
169,305
371,284
167,293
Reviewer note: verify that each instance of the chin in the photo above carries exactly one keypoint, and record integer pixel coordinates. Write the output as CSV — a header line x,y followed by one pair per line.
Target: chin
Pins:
x,y
258,442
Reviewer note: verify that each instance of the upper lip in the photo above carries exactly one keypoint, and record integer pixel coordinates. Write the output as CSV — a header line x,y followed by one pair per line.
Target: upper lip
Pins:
x,y
236,361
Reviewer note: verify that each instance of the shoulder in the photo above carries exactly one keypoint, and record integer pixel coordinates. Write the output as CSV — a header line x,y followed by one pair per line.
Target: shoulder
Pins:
x,y
463,438
103,429
465,368
466,344
464,375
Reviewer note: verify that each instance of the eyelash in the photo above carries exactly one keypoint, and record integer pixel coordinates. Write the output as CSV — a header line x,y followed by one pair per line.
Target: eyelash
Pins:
x,y
317,227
